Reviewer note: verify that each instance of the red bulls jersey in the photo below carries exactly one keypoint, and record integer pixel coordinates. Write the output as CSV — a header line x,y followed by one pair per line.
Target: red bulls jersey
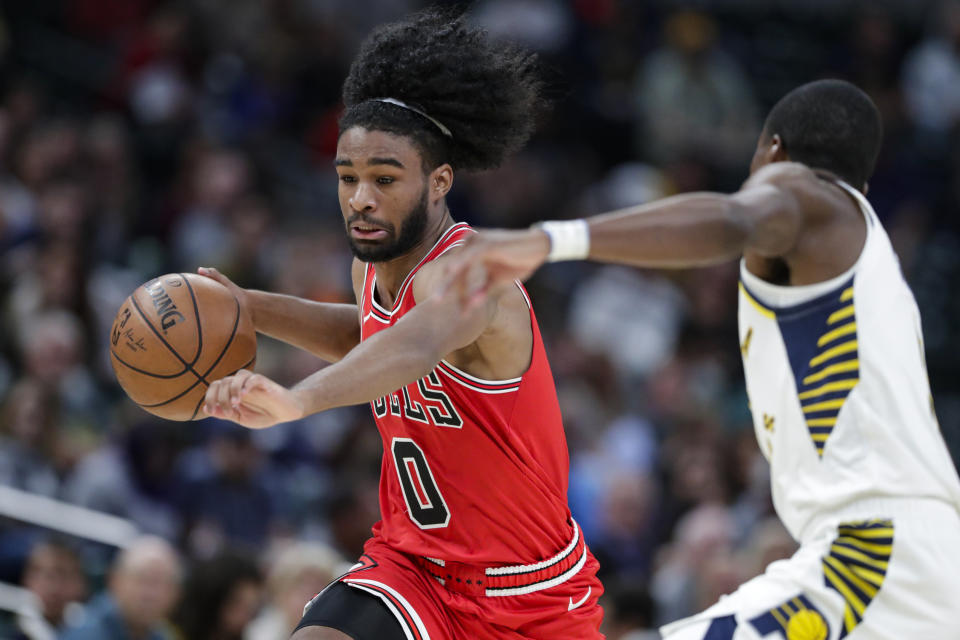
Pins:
x,y
473,471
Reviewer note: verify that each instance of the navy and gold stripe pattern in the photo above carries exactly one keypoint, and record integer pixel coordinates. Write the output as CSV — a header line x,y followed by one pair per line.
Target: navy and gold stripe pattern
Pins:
x,y
832,373
795,619
821,341
857,565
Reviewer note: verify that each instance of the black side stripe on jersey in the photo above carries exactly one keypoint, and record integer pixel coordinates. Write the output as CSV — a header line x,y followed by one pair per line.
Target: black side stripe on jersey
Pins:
x,y
477,384
406,615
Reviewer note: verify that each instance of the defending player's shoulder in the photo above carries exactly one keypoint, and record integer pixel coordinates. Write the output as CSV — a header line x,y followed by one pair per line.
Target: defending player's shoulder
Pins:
x,y
790,201
814,193
780,173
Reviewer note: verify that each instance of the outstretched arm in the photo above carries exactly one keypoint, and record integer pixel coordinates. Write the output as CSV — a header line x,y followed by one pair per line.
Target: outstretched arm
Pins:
x,y
698,229
376,367
688,230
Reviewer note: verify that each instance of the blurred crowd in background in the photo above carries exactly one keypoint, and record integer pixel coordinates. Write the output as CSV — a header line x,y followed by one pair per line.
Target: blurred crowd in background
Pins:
x,y
140,137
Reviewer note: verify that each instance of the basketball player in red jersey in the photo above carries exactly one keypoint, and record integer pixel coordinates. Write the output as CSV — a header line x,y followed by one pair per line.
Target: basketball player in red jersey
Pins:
x,y
476,539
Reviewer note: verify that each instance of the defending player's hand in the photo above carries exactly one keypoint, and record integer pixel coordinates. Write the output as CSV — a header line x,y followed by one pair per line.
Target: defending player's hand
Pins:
x,y
492,260
252,400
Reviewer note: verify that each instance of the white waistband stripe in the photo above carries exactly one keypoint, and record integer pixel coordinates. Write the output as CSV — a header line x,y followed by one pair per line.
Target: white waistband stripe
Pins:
x,y
530,588
529,568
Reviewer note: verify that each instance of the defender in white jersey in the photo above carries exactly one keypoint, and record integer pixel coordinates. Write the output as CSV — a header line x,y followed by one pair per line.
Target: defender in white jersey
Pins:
x,y
834,362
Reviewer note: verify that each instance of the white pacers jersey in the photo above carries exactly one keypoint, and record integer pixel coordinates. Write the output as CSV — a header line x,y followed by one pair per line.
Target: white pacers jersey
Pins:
x,y
838,388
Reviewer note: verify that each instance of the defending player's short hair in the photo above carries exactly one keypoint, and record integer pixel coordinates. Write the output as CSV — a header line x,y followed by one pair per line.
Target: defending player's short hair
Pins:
x,y
829,124
486,93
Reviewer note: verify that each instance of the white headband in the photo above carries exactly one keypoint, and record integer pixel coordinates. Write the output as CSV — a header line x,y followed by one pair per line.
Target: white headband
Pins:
x,y
404,105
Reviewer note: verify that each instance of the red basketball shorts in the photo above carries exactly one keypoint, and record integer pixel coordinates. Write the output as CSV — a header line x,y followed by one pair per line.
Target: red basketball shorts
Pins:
x,y
551,600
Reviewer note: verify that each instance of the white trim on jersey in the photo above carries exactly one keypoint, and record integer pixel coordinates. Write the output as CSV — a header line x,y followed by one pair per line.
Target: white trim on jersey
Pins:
x,y
359,583
458,243
514,382
540,586
407,280
363,296
779,297
375,317
403,295
543,564
373,299
363,288
525,296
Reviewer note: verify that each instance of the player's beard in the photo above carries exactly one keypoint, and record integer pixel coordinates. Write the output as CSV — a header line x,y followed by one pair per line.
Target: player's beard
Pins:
x,y
411,233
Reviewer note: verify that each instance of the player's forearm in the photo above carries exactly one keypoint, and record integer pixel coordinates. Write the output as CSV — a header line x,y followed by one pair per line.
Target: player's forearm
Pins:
x,y
397,356
376,367
683,231
327,330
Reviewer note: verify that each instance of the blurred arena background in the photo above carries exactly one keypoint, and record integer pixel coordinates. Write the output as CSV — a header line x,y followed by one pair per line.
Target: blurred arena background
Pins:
x,y
139,137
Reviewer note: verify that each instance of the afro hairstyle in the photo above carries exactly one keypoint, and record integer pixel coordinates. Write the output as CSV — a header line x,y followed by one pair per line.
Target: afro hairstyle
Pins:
x,y
486,93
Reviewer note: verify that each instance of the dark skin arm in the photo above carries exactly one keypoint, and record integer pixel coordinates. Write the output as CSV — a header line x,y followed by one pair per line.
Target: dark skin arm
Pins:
x,y
784,217
491,339
326,330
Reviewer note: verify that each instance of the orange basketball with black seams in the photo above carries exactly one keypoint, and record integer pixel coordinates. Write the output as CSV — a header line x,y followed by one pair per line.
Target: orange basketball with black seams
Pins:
x,y
175,335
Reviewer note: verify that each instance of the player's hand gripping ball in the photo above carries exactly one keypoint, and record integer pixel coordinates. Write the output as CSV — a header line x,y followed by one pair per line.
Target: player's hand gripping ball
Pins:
x,y
175,335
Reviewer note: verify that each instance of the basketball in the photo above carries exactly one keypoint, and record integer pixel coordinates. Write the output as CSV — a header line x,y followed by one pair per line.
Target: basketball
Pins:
x,y
175,335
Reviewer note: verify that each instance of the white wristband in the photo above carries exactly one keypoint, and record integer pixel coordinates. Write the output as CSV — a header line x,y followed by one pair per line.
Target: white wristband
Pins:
x,y
569,239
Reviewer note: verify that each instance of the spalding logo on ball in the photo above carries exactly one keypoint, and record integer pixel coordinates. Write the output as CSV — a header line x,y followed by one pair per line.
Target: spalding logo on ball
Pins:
x,y
175,335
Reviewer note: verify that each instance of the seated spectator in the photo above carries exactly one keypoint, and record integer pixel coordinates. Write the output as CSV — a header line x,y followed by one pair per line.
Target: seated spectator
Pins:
x,y
299,573
628,611
54,578
142,589
220,598
693,99
224,500
691,564
28,438
132,476
931,74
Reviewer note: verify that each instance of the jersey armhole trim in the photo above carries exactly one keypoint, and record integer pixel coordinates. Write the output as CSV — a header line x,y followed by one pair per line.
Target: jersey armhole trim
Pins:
x,y
779,298
478,384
